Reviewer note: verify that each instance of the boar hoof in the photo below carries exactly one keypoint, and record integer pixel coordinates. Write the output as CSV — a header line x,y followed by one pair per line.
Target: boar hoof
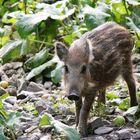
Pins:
x,y
83,132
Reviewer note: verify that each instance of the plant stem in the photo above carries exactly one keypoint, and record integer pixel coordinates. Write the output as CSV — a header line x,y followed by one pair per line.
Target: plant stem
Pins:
x,y
25,6
124,3
42,42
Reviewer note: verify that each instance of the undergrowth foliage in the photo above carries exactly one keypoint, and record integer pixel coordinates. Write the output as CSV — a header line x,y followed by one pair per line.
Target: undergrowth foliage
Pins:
x,y
29,28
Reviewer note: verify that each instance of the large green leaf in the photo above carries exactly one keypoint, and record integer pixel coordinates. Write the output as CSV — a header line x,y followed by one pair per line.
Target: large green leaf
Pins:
x,y
95,16
13,119
28,23
38,59
132,25
67,131
13,49
36,71
56,73
119,9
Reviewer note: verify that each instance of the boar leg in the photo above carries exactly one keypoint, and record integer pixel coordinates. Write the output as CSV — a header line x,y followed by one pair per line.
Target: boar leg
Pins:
x,y
78,105
128,77
101,97
84,114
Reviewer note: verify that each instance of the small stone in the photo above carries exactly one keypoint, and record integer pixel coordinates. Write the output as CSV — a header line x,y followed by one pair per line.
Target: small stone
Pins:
x,y
47,137
7,106
112,137
25,119
11,72
123,134
40,106
17,65
94,138
7,66
47,85
35,87
137,135
23,138
30,129
106,122
24,126
135,58
95,122
35,136
103,130
12,90
11,99
46,129
137,68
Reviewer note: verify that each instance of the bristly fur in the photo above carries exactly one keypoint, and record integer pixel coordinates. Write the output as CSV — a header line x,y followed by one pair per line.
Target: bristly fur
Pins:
x,y
92,63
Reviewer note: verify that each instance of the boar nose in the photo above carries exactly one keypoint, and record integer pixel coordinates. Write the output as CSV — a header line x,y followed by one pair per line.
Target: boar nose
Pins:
x,y
73,96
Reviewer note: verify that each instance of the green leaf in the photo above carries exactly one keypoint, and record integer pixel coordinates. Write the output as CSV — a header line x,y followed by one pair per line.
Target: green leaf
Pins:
x,y
38,59
28,23
69,38
13,119
119,121
1,32
67,131
62,17
124,103
2,136
119,9
137,113
4,96
95,16
12,50
56,75
111,95
2,118
36,71
44,121
132,25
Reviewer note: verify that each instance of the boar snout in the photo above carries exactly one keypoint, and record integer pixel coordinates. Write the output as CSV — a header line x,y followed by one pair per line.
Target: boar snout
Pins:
x,y
73,95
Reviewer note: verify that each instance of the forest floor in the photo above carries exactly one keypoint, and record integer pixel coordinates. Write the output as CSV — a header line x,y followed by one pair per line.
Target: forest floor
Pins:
x,y
35,102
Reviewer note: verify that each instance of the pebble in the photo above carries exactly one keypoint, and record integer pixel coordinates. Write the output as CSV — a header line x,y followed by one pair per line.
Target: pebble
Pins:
x,y
34,87
137,135
103,130
95,122
46,128
11,99
94,138
47,85
123,134
46,137
40,106
30,129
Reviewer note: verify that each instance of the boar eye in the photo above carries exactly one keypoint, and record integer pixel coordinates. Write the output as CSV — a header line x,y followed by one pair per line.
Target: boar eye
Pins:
x,y
66,68
83,69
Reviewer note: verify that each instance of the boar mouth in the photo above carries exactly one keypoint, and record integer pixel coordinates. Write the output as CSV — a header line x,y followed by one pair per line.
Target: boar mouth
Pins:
x,y
73,96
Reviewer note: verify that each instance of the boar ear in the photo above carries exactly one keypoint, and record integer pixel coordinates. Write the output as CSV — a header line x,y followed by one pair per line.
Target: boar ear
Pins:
x,y
90,46
61,51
